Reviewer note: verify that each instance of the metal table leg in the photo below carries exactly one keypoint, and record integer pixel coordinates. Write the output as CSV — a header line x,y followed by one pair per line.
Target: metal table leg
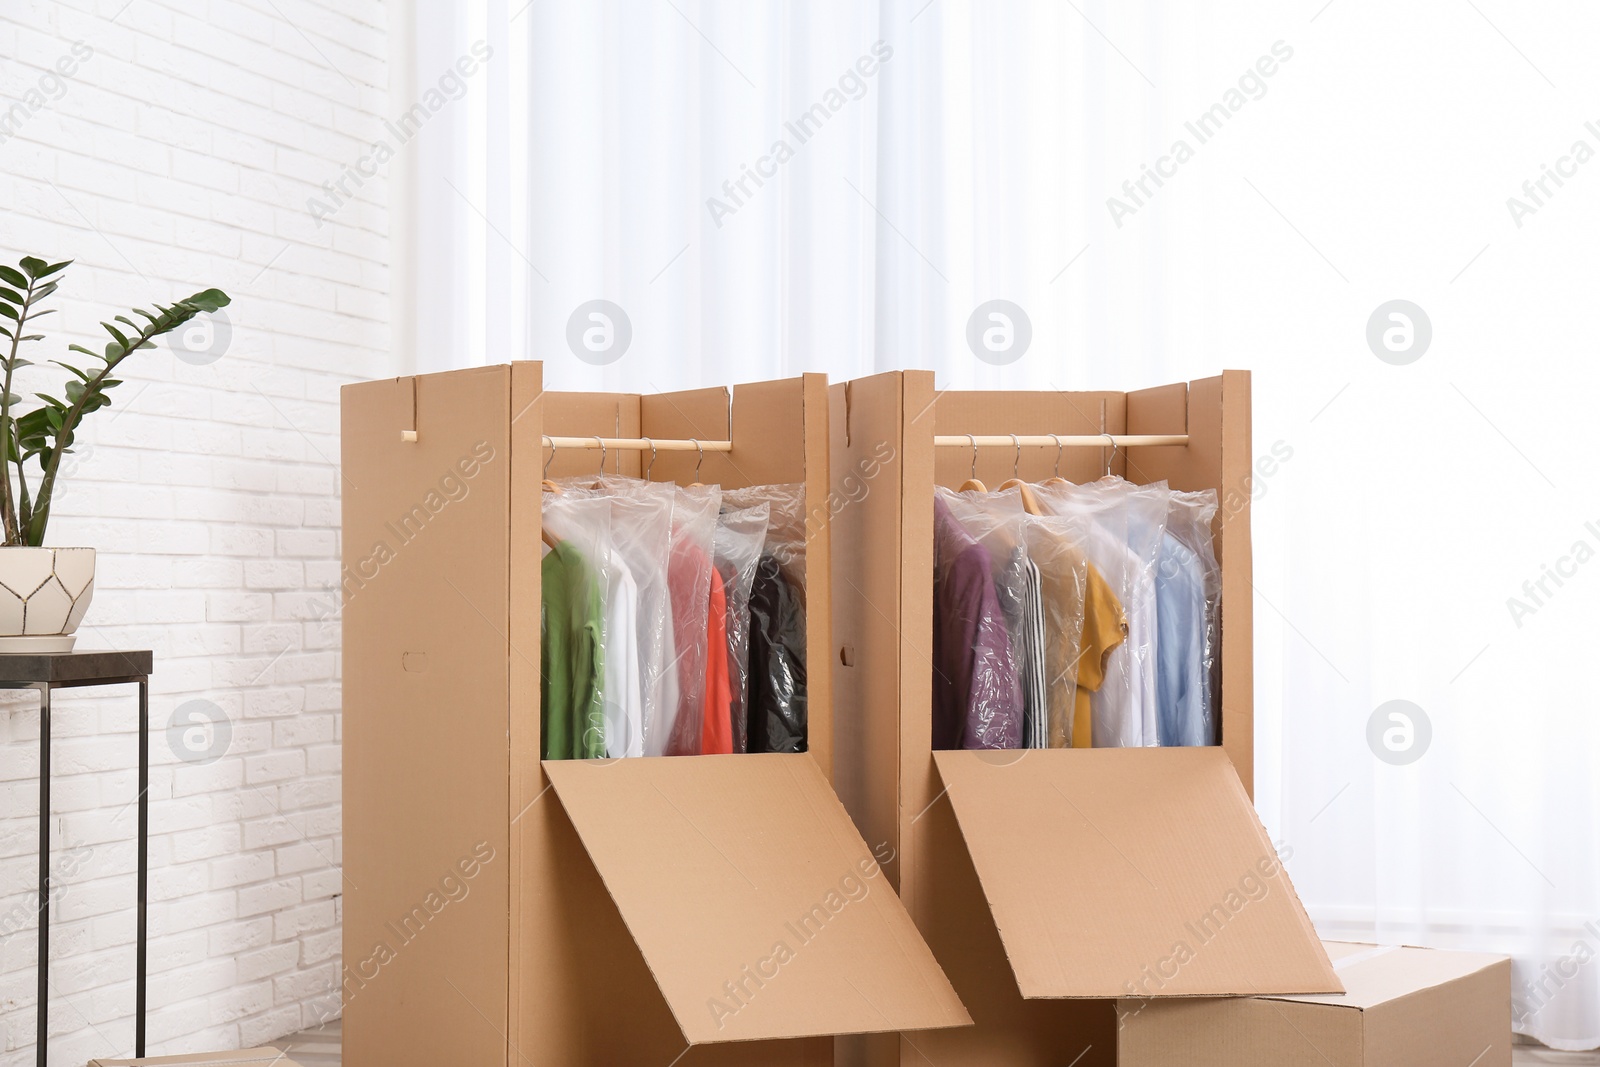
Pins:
x,y
43,1032
144,864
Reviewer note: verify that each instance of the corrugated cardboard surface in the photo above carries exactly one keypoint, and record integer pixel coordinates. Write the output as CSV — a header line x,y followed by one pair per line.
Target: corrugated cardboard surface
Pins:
x,y
1245,1032
535,833
866,460
1426,1007
1377,975
1118,872
258,1057
755,902
1405,1007
1461,1020
425,665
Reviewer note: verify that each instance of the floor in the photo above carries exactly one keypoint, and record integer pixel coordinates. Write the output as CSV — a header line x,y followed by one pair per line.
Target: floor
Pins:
x,y
320,1048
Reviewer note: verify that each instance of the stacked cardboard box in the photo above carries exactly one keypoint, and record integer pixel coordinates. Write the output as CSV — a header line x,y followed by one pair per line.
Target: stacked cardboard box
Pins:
x,y
1402,1007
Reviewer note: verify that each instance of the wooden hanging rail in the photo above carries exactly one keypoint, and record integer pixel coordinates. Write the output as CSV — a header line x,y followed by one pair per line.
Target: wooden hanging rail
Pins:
x,y
641,444
1037,440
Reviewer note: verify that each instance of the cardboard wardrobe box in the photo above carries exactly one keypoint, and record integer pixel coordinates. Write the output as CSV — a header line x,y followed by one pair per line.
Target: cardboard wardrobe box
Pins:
x,y
246,1057
1402,1007
500,909
1049,883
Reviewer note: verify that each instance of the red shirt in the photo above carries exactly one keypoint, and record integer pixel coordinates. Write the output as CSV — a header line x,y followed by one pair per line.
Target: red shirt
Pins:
x,y
716,728
689,572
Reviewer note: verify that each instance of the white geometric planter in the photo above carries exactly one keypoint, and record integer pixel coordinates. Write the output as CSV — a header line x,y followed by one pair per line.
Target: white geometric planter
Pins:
x,y
44,593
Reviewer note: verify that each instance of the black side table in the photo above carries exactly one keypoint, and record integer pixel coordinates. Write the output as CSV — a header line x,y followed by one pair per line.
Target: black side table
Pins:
x,y
46,672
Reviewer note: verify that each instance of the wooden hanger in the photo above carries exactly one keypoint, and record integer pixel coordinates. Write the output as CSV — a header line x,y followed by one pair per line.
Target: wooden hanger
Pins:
x,y
1030,502
600,478
972,485
1110,456
1057,480
549,487
699,459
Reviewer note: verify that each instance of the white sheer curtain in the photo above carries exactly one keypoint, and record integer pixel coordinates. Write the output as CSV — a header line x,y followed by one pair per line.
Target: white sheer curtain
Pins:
x,y
599,155
975,162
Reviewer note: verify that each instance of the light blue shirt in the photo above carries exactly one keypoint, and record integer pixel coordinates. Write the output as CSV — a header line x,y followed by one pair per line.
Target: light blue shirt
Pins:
x,y
1183,689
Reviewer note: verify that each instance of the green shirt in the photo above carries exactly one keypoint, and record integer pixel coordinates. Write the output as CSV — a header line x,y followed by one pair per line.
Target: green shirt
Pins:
x,y
572,657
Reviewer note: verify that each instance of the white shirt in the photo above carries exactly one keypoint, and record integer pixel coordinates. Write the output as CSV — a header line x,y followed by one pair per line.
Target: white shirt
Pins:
x,y
641,523
1126,699
624,701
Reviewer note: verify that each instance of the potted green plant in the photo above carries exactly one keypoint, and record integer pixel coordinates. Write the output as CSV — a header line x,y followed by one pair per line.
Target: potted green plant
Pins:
x,y
44,592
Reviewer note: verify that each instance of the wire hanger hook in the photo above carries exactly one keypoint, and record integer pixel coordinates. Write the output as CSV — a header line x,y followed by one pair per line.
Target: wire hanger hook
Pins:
x,y
1057,439
974,442
700,457
549,460
1016,459
602,443
652,464
1112,454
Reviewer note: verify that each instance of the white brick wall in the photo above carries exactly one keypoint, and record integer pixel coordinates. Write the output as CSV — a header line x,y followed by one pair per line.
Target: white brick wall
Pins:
x,y
180,155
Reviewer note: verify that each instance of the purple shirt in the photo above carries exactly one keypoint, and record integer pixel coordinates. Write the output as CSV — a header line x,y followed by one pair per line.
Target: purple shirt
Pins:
x,y
977,698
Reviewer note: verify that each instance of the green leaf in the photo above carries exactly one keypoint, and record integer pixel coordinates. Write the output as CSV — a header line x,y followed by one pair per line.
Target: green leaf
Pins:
x,y
55,417
85,351
209,300
12,295
114,332
29,337
52,268
85,375
74,391
114,351
35,267
13,276
9,312
35,314
33,426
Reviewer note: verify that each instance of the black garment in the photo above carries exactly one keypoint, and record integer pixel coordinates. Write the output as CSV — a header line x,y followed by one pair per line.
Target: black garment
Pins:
x,y
777,698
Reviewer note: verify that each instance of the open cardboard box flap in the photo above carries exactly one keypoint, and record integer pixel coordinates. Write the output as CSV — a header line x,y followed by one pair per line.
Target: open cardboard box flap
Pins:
x,y
1131,873
757,905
